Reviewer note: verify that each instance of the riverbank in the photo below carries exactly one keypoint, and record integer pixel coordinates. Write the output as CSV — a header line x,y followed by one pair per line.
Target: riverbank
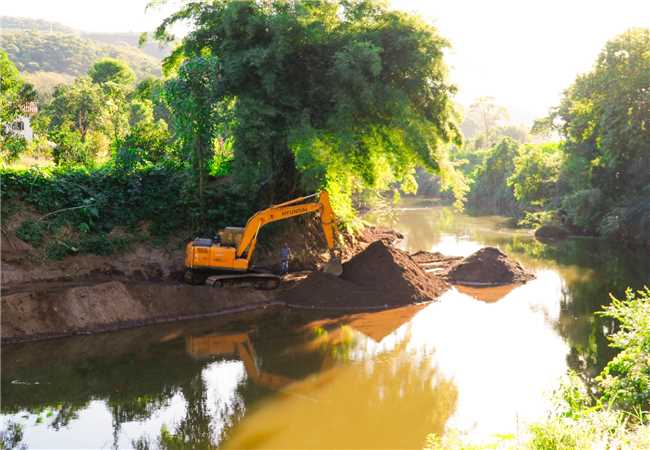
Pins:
x,y
85,294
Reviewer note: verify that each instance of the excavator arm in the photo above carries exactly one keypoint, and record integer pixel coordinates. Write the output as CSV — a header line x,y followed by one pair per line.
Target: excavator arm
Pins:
x,y
287,210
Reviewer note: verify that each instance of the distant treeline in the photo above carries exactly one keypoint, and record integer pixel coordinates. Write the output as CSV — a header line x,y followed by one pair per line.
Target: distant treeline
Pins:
x,y
595,179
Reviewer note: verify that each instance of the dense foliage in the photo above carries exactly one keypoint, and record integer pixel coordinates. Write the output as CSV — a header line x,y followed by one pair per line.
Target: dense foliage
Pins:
x,y
79,208
596,180
15,94
625,382
323,94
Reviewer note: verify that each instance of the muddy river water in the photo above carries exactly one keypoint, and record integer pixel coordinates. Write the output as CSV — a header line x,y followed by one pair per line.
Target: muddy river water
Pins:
x,y
479,362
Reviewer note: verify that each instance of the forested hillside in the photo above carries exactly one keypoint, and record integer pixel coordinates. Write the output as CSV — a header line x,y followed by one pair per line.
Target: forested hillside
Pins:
x,y
14,24
49,54
24,24
34,51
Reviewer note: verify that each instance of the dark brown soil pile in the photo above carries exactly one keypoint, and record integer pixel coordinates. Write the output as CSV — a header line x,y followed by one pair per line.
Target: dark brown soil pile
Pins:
x,y
380,275
488,266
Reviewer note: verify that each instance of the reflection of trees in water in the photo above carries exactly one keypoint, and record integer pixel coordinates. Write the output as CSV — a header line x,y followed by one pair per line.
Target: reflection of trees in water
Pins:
x,y
134,386
11,436
591,269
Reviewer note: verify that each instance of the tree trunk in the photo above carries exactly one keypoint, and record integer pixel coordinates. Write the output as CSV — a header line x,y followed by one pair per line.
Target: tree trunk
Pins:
x,y
200,156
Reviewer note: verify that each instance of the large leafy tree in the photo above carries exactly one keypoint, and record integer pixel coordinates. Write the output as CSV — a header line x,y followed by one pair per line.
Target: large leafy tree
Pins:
x,y
605,116
195,97
113,70
490,191
73,120
14,95
324,93
79,105
116,79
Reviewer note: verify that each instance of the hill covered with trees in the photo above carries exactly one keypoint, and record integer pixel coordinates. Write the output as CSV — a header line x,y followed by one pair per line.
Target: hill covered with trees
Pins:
x,y
49,53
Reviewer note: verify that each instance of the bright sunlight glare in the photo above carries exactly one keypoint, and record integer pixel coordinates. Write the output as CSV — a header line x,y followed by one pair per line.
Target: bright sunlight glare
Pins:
x,y
523,53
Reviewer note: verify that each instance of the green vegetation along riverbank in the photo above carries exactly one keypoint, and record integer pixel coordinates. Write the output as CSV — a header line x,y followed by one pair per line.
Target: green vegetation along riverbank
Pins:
x,y
611,412
585,168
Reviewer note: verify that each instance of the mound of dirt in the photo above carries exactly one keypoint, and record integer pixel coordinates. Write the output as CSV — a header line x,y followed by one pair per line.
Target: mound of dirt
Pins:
x,y
488,266
380,275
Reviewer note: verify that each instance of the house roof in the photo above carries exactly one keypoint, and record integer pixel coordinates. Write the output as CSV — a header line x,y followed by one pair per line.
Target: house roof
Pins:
x,y
30,108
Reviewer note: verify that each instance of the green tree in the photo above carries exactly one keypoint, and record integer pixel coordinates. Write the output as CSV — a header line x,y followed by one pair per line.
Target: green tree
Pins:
x,y
79,104
116,80
194,97
336,94
148,139
73,121
490,191
605,116
536,173
14,94
111,70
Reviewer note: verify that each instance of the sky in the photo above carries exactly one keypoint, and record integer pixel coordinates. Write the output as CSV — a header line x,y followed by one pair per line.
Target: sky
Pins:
x,y
523,53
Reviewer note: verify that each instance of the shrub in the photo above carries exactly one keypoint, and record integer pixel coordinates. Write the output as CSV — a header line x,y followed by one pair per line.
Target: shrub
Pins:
x,y
94,201
31,231
584,209
625,381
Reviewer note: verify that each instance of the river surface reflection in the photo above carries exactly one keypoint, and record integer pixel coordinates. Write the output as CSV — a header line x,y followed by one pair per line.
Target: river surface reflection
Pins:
x,y
482,362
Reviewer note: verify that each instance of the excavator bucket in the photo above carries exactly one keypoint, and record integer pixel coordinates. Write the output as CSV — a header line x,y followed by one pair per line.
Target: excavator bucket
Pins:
x,y
334,267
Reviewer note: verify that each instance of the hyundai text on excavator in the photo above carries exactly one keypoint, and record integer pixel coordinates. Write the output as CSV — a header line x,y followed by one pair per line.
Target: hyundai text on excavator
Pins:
x,y
227,259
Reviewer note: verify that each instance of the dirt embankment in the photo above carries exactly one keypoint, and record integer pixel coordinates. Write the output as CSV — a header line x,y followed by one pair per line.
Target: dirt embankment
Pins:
x,y
64,310
87,293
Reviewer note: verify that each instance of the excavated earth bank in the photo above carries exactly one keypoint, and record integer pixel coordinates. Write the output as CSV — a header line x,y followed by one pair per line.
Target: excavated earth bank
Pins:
x,y
85,294
67,310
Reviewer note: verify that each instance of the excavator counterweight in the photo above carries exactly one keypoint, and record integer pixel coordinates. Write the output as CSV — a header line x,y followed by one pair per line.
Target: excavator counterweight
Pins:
x,y
227,259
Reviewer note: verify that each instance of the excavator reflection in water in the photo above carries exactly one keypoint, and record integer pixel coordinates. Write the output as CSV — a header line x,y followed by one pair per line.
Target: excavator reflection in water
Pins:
x,y
324,335
236,345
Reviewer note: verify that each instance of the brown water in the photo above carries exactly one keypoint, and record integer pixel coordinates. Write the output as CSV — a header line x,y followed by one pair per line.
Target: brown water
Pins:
x,y
480,362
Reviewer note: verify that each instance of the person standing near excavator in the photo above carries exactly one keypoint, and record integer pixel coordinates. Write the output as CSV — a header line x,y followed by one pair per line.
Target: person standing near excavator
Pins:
x,y
285,254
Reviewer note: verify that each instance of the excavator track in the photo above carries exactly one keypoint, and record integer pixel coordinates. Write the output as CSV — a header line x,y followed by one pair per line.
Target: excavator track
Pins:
x,y
264,281
256,280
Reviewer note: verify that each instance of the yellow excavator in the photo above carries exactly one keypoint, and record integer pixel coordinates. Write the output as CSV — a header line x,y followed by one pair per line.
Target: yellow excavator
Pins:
x,y
226,259
240,346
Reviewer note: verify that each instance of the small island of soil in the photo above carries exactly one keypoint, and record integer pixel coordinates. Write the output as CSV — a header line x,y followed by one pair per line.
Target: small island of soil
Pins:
x,y
488,267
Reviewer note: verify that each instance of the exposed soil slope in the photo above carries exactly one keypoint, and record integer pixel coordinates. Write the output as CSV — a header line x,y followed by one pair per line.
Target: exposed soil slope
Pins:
x,y
51,311
379,275
90,293
488,266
